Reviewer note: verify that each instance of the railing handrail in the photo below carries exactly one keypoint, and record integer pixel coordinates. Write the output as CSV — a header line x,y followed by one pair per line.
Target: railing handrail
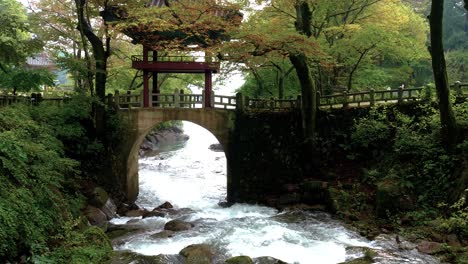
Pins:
x,y
176,58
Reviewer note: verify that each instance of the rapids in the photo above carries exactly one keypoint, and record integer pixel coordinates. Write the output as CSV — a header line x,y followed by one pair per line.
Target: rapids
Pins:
x,y
192,176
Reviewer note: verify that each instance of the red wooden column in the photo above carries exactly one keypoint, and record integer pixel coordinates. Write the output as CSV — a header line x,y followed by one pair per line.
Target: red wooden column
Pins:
x,y
146,93
155,89
208,88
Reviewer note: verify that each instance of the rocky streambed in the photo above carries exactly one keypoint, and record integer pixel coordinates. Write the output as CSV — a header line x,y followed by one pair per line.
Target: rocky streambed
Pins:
x,y
193,228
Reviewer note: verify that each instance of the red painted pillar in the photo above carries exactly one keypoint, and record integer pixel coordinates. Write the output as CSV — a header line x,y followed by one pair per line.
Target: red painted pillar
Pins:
x,y
146,92
145,54
155,74
208,88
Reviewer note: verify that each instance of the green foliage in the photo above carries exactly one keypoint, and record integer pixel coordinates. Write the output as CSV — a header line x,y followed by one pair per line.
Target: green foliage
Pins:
x,y
457,222
372,133
25,80
88,246
33,169
39,199
406,149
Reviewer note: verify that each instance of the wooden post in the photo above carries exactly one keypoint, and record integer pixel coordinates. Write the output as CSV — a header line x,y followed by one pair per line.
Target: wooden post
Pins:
x,y
110,100
400,95
145,54
176,98
458,89
372,97
146,92
299,101
317,99
117,98
212,99
208,88
182,98
345,99
240,103
128,99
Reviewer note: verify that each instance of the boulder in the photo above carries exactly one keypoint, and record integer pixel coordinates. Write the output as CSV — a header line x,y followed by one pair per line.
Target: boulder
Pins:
x,y
163,234
453,241
391,198
136,213
240,260
153,214
96,217
178,225
128,257
429,247
109,209
289,198
216,147
198,254
165,205
124,208
98,197
268,260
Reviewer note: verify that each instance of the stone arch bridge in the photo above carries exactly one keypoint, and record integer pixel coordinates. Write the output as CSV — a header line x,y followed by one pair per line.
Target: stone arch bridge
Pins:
x,y
251,132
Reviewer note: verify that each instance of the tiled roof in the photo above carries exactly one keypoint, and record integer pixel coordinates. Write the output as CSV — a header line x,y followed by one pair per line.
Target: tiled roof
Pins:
x,y
39,60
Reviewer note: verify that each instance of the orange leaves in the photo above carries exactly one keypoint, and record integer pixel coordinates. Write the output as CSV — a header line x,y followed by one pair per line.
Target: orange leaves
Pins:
x,y
204,23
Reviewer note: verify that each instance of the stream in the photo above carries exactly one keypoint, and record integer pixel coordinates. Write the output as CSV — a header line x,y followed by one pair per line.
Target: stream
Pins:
x,y
191,175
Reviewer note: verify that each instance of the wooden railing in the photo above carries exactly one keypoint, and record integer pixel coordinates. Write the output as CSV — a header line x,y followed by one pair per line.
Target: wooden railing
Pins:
x,y
181,58
31,99
179,99
369,98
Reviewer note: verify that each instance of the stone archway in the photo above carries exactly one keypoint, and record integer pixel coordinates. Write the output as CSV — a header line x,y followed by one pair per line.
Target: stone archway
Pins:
x,y
218,122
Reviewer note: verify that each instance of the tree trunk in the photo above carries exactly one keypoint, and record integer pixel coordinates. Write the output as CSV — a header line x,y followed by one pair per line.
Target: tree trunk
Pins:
x,y
100,57
299,61
309,107
447,118
99,53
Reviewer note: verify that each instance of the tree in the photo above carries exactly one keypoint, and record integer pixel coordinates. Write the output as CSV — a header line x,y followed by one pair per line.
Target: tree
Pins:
x,y
24,80
447,118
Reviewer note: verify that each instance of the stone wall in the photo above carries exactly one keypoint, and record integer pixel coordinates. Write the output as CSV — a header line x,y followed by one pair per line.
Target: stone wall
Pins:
x,y
263,155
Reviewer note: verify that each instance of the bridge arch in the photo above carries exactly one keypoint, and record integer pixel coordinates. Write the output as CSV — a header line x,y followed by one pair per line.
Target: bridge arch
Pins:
x,y
218,122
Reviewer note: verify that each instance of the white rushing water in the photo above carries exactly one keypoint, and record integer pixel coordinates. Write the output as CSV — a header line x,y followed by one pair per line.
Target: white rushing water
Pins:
x,y
195,177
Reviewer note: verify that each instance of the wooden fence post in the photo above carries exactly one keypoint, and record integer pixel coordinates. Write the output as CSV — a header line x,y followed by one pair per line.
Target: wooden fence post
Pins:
x,y
110,100
317,99
457,88
176,98
400,95
240,103
212,99
372,97
181,97
117,98
345,99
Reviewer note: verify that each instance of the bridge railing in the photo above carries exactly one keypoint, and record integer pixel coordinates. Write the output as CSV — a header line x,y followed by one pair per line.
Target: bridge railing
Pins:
x,y
371,97
272,104
31,99
181,100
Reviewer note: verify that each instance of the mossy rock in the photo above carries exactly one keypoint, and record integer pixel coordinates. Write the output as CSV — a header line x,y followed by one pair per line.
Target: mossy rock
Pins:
x,y
99,197
240,260
128,257
369,255
391,198
121,231
362,260
197,254
268,260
